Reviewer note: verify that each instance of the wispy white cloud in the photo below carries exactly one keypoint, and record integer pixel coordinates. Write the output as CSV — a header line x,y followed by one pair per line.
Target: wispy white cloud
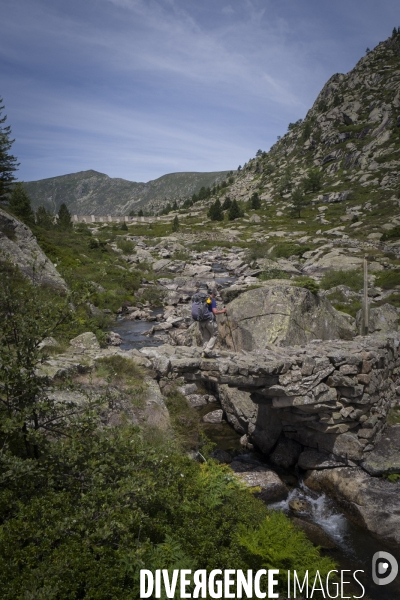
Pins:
x,y
146,85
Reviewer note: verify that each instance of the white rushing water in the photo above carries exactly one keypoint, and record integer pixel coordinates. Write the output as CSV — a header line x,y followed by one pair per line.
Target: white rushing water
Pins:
x,y
321,511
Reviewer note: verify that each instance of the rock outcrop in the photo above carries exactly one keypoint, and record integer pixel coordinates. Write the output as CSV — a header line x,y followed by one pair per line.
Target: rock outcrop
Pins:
x,y
282,314
385,457
19,246
368,501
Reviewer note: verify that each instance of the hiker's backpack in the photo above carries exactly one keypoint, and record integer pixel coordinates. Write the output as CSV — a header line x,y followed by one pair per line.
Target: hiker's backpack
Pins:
x,y
200,305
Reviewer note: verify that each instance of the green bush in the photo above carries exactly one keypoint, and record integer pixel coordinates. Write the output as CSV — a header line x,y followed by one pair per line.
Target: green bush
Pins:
x,y
308,283
351,309
287,249
260,250
353,279
182,255
388,279
393,417
185,420
393,478
125,245
392,234
273,274
277,544
104,505
153,294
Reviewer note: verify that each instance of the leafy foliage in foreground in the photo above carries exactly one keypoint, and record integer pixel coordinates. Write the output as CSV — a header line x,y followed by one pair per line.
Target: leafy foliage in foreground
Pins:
x,y
99,507
83,507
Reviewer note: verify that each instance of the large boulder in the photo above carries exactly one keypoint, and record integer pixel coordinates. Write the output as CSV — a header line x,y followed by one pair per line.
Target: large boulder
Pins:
x,y
19,245
282,314
336,259
382,319
368,501
259,421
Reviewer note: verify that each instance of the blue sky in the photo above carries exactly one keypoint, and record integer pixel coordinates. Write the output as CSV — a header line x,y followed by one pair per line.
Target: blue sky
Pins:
x,y
140,88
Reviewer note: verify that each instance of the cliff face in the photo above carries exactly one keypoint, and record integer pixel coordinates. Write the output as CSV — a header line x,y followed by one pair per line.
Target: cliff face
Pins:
x,y
19,246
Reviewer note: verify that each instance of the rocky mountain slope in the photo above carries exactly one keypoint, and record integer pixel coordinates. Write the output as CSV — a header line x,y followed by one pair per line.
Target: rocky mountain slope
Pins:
x,y
351,136
93,193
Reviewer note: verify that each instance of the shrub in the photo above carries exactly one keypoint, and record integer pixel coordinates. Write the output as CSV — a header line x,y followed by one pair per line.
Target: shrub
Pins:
x,y
127,246
388,279
393,478
351,309
182,255
308,283
153,294
277,544
393,234
287,249
106,504
273,274
354,279
185,420
119,367
95,244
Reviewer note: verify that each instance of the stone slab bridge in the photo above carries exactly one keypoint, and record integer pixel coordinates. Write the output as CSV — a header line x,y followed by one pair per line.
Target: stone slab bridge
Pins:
x,y
330,396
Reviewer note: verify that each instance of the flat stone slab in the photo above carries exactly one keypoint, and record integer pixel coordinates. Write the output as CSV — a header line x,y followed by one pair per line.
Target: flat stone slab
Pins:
x,y
312,459
272,487
384,459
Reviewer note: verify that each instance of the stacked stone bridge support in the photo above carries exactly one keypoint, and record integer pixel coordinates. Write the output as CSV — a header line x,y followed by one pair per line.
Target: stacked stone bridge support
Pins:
x,y
330,396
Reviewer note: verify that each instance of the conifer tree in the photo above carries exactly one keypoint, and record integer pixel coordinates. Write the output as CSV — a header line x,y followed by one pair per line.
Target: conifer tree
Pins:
x,y
299,201
64,218
227,203
313,181
255,201
20,204
234,211
43,217
8,162
175,224
215,212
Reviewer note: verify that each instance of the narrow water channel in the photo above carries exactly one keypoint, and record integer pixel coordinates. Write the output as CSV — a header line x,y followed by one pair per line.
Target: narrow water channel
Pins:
x,y
132,332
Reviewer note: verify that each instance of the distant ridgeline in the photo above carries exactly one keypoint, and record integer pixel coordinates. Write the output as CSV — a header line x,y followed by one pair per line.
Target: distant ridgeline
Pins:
x,y
93,193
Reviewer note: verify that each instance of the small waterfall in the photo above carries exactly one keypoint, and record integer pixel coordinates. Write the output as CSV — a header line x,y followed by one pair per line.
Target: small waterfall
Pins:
x,y
321,511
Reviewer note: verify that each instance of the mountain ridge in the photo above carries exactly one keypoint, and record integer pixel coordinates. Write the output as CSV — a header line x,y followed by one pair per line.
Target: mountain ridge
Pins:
x,y
91,192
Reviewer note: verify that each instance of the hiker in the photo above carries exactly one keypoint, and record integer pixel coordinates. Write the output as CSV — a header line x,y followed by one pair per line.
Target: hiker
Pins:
x,y
204,309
